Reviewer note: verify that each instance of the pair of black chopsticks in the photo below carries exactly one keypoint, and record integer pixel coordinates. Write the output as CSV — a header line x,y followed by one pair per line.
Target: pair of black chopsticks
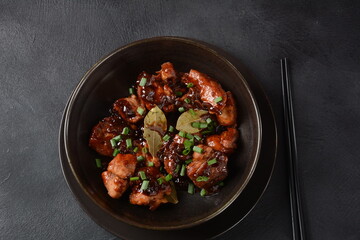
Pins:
x,y
295,197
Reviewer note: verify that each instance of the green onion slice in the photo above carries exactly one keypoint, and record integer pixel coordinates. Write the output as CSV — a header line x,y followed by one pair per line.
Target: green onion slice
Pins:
x,y
116,152
150,164
212,161
140,158
168,177
113,143
98,162
198,149
191,188
128,143
171,128
142,175
203,192
188,161
183,170
181,109
218,99
182,134
166,138
144,185
142,82
202,179
131,91
134,178
160,180
140,110
189,85
125,131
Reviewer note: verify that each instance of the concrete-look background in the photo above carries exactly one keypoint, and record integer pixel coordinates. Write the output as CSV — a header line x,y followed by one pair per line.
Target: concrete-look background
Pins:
x,y
46,47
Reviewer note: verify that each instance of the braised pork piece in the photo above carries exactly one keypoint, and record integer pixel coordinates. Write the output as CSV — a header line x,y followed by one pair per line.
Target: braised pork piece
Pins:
x,y
175,131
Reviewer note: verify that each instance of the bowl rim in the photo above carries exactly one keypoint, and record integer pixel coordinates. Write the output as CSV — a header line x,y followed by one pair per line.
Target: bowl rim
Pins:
x,y
196,43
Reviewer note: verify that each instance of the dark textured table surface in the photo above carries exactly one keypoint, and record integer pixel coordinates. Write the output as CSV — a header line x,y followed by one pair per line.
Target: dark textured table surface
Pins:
x,y
46,47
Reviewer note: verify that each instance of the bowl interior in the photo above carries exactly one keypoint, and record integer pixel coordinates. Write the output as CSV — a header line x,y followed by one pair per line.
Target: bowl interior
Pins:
x,y
109,80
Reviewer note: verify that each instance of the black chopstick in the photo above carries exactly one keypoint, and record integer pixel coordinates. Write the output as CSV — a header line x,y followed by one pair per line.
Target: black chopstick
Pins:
x,y
295,197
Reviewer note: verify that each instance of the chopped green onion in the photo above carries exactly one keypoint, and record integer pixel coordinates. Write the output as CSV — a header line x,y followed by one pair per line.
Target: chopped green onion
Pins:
x,y
181,109
208,120
140,110
116,152
168,177
144,185
192,112
125,131
161,168
128,143
212,161
188,161
113,143
98,162
189,85
140,158
203,192
218,99
134,178
195,124
160,180
144,150
221,184
197,137
183,170
131,91
187,100
203,125
182,134
191,188
177,169
142,82
171,128
136,149
189,136
142,175
202,179
117,138
150,164
186,151
178,93
188,143
197,149
166,138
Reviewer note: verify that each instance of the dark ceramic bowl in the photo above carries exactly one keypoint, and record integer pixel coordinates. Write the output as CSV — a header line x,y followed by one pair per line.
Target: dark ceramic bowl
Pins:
x,y
109,79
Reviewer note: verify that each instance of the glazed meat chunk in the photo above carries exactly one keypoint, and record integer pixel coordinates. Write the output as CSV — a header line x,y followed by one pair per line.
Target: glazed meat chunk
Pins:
x,y
152,91
168,73
115,185
207,168
155,193
119,170
103,132
225,142
172,155
130,109
228,114
210,91
123,165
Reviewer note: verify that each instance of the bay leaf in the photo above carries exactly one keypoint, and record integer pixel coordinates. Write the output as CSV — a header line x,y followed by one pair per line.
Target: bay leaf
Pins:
x,y
172,198
186,119
156,120
154,140
155,125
